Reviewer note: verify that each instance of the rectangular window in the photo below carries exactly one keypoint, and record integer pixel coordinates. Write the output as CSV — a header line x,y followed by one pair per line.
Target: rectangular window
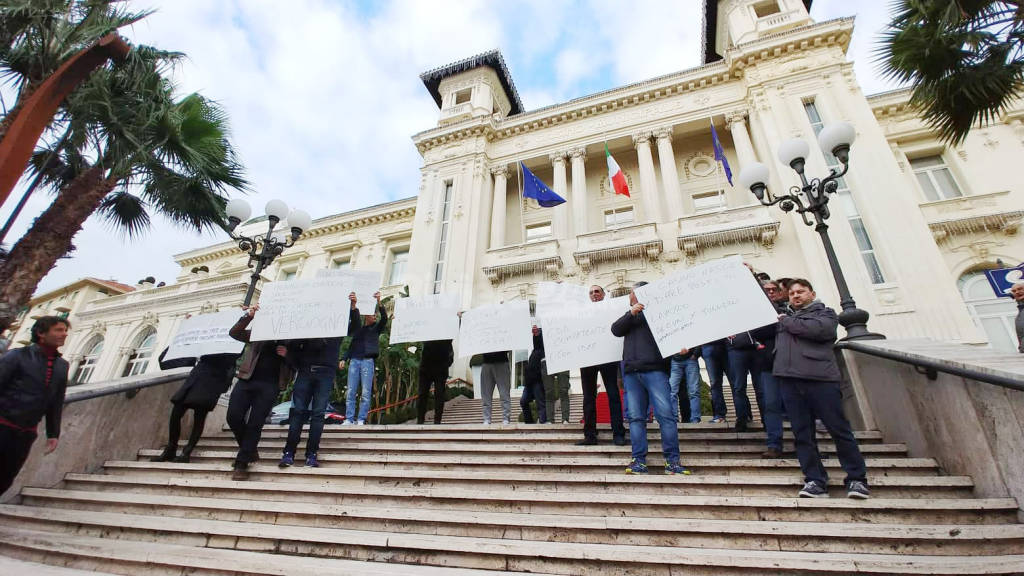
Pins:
x,y
463,96
618,217
442,245
763,9
399,260
538,232
935,179
709,201
849,204
286,275
341,264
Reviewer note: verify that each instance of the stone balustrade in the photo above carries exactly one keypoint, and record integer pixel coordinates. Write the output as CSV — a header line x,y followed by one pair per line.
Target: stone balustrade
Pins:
x,y
731,226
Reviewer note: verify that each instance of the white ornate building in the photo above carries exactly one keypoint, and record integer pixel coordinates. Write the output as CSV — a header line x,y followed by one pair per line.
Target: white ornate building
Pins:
x,y
913,225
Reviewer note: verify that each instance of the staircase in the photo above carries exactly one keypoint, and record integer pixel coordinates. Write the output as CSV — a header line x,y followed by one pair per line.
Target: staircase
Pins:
x,y
475,500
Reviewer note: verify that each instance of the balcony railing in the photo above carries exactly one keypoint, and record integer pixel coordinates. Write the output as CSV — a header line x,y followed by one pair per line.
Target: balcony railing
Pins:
x,y
520,259
732,226
993,212
627,242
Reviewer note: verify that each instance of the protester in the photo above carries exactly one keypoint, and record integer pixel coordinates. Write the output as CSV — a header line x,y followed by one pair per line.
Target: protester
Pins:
x,y
33,380
316,361
645,377
362,352
808,376
265,369
716,363
555,385
435,359
768,386
1017,290
495,372
210,377
686,406
610,378
740,351
533,389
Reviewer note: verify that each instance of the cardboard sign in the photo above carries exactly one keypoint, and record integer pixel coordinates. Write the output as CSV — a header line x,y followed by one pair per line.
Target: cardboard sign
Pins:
x,y
553,297
704,303
316,308
496,328
581,335
365,283
425,318
205,334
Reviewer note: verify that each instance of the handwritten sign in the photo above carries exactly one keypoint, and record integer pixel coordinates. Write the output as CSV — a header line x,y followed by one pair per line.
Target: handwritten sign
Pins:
x,y
205,334
581,335
315,308
425,318
365,283
495,328
555,296
704,303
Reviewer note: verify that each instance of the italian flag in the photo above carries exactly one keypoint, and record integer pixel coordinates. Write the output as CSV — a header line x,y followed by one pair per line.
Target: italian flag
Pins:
x,y
615,174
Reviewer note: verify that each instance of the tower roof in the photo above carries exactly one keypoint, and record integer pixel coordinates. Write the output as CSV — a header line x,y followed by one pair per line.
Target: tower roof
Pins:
x,y
710,31
491,59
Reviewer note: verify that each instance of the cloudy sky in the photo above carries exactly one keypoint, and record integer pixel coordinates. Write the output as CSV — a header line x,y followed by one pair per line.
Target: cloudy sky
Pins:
x,y
324,95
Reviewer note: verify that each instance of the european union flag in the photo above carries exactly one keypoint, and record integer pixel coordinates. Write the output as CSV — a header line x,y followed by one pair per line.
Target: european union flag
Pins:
x,y
539,191
720,154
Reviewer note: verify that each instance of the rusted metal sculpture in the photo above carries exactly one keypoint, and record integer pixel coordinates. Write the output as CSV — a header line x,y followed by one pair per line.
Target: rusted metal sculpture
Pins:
x,y
23,133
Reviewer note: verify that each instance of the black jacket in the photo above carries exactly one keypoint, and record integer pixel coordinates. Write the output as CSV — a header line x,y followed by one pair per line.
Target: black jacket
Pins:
x,y
25,396
316,351
639,351
210,377
803,345
437,355
365,339
535,365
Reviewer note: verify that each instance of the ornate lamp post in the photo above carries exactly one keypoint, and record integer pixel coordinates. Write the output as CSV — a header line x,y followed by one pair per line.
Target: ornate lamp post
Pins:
x,y
263,249
812,198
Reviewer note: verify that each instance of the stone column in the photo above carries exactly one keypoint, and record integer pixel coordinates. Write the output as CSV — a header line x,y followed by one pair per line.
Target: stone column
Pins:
x,y
579,190
744,149
560,215
669,173
498,210
648,180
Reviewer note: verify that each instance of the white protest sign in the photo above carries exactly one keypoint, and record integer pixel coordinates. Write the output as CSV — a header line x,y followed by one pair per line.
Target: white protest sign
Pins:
x,y
555,296
581,335
205,334
425,318
365,283
496,328
704,303
315,308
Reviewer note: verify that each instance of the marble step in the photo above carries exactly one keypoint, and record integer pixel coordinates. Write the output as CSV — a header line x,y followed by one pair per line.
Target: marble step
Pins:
x,y
13,566
696,484
624,503
482,553
514,427
808,536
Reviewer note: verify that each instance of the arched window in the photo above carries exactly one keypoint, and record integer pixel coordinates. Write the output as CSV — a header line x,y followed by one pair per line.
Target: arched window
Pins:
x,y
993,314
90,358
139,360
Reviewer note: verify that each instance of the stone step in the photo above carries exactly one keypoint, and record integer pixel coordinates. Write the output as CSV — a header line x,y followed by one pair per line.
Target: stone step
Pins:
x,y
698,533
20,567
514,427
132,558
483,553
696,484
577,464
622,503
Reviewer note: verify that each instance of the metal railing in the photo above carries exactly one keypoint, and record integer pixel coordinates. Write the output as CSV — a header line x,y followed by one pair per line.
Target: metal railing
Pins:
x,y
120,385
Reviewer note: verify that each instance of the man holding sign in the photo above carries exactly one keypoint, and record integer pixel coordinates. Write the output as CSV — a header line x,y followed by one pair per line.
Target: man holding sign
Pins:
x,y
610,377
362,352
645,377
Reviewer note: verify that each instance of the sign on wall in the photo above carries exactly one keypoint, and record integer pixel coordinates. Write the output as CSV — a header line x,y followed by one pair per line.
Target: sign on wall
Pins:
x,y
314,308
581,335
1002,279
365,283
205,334
496,328
424,318
704,303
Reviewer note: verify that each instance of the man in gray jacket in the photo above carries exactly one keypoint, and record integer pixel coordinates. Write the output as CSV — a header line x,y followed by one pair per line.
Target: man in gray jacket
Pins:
x,y
808,375
1017,290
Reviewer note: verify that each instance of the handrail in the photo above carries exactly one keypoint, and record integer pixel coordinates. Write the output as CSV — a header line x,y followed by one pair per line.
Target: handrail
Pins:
x,y
87,392
415,397
932,367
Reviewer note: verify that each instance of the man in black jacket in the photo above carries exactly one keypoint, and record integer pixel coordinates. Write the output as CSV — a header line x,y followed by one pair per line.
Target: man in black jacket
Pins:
x,y
768,395
610,378
534,382
645,377
435,360
362,352
808,375
33,380
316,361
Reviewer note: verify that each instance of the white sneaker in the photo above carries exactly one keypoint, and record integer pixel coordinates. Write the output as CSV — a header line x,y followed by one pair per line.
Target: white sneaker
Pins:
x,y
361,422
565,421
348,423
487,422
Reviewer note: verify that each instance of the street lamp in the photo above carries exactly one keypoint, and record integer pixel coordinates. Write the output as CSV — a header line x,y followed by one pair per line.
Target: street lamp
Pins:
x,y
263,249
812,198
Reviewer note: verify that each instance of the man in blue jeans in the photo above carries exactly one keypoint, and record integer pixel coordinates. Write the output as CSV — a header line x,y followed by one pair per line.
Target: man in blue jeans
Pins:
x,y
768,393
645,378
317,362
362,351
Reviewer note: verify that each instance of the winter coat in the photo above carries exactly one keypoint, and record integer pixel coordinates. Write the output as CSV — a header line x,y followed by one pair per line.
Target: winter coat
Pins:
x,y
437,356
803,344
316,351
365,339
640,351
255,350
535,365
210,377
25,396
1019,324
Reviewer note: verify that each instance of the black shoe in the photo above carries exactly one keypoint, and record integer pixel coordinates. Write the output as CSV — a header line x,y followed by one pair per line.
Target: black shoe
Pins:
x,y
587,442
741,425
166,456
619,440
186,456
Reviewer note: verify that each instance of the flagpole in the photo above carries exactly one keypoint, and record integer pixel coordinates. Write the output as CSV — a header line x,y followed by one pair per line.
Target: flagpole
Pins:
x,y
522,209
718,175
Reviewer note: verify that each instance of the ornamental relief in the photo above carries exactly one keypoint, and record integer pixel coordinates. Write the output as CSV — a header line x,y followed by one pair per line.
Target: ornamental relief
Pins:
x,y
697,165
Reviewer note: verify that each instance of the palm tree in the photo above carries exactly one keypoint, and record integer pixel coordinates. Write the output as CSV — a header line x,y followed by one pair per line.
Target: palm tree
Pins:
x,y
963,58
132,150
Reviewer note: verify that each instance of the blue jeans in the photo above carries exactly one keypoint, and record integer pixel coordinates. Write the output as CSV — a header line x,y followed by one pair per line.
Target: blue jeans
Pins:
x,y
360,370
689,369
716,361
771,412
741,364
310,396
651,387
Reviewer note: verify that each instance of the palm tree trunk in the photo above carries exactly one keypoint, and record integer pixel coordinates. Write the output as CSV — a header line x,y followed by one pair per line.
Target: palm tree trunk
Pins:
x,y
12,112
48,240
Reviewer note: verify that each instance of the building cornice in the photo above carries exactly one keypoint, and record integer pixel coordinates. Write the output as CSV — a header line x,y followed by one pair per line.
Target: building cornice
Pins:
x,y
124,308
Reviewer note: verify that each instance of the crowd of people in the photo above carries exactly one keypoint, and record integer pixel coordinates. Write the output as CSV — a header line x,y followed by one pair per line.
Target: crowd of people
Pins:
x,y
790,363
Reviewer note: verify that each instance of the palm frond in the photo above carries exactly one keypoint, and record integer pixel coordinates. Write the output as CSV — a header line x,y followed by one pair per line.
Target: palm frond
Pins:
x,y
125,212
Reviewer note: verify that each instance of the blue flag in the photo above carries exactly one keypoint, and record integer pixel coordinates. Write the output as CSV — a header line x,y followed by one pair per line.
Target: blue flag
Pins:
x,y
720,154
534,188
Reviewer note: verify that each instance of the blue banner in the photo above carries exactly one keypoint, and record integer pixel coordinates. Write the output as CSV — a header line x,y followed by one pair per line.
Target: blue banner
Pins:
x,y
1002,279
